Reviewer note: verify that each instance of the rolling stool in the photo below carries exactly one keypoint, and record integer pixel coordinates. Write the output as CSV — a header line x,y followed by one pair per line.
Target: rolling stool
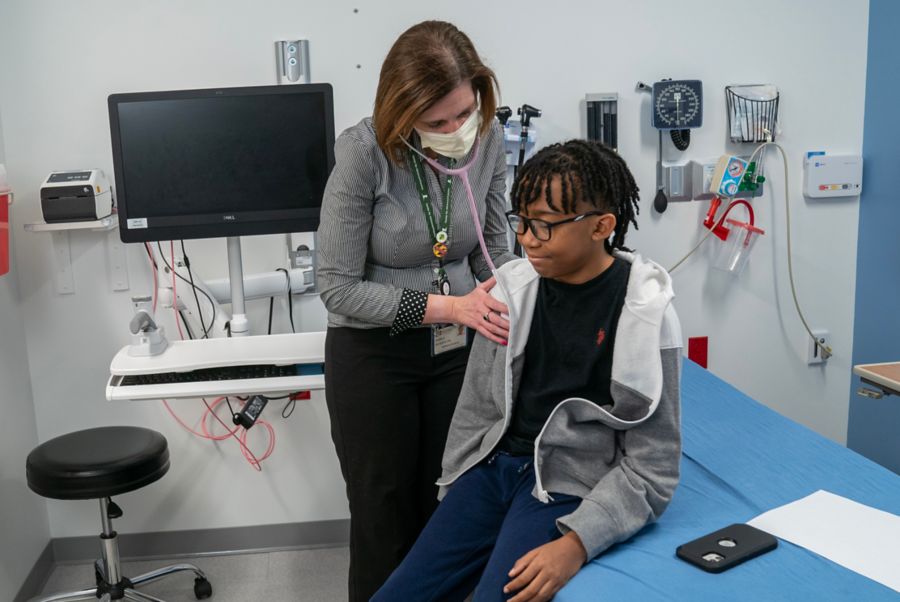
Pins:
x,y
97,464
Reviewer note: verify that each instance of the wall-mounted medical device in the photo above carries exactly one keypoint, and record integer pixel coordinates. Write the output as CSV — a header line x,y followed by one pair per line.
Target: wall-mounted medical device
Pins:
x,y
728,175
602,118
696,180
519,135
676,107
74,196
292,60
520,141
830,176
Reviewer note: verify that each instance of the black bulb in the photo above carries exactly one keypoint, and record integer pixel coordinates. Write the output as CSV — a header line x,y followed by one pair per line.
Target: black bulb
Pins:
x,y
661,202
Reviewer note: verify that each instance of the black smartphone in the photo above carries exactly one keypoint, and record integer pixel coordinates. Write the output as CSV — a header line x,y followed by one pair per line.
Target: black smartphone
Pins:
x,y
728,547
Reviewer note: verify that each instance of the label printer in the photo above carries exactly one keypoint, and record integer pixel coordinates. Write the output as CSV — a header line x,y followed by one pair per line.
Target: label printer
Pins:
x,y
75,196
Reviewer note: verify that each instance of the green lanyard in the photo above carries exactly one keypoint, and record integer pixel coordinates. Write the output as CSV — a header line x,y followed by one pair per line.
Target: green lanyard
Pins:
x,y
441,235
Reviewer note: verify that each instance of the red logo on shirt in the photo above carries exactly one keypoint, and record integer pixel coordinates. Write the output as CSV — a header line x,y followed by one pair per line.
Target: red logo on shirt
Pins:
x,y
601,334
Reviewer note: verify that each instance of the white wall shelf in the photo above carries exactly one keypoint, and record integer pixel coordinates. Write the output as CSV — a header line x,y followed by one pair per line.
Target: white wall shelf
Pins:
x,y
62,253
109,222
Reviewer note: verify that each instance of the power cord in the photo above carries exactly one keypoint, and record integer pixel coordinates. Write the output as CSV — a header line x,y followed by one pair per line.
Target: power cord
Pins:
x,y
187,264
289,407
186,325
238,433
292,404
290,301
691,252
180,277
826,349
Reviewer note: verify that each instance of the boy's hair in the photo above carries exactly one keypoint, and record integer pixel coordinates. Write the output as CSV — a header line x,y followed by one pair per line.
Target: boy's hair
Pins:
x,y
588,171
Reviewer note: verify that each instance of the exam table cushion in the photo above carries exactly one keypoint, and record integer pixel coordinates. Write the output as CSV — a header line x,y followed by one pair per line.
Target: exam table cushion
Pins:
x,y
740,459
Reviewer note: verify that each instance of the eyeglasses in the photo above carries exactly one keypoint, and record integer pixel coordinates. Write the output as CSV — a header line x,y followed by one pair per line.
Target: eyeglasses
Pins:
x,y
541,229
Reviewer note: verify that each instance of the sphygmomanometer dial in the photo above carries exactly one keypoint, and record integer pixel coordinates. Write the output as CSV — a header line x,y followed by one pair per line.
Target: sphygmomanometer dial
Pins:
x,y
677,104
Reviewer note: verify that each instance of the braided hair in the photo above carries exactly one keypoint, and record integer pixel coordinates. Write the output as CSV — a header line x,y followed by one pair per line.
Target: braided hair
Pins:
x,y
588,171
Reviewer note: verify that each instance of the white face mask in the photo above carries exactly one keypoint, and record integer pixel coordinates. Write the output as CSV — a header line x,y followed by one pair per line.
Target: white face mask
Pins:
x,y
455,145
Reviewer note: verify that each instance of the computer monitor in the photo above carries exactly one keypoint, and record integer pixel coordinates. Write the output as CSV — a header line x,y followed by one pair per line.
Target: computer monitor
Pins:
x,y
221,162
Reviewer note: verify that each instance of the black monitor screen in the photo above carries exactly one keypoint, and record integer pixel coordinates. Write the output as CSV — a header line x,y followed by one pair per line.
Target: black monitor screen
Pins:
x,y
207,163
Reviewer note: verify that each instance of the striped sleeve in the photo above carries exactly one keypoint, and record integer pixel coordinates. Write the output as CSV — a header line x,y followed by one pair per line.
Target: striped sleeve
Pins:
x,y
495,227
343,239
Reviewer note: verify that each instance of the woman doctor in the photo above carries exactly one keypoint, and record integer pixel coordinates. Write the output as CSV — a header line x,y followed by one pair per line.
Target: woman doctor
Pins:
x,y
404,281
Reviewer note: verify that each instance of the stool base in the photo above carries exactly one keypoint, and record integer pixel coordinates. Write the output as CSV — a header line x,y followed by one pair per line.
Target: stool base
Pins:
x,y
111,585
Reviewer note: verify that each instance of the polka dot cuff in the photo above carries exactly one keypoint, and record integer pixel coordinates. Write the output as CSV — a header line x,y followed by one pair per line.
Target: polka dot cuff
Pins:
x,y
411,312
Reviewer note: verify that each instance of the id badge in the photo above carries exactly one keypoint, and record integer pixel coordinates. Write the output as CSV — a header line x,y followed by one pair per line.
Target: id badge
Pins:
x,y
447,337
441,282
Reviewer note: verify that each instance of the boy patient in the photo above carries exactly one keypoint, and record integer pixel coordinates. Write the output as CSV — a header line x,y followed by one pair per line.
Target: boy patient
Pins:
x,y
567,440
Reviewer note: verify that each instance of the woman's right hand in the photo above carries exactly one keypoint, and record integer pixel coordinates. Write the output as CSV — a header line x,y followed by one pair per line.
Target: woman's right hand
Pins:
x,y
482,312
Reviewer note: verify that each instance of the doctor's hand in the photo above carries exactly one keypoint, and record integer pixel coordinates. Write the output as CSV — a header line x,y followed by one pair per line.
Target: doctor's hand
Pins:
x,y
542,572
482,312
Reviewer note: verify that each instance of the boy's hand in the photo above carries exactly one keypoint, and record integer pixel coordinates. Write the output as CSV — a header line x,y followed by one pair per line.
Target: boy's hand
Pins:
x,y
543,571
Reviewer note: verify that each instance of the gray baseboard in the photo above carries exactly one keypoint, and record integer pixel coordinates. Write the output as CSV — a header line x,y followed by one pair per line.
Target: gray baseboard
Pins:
x,y
199,542
37,576
196,542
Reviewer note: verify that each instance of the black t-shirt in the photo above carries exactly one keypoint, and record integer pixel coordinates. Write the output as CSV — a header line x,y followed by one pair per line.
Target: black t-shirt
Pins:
x,y
569,351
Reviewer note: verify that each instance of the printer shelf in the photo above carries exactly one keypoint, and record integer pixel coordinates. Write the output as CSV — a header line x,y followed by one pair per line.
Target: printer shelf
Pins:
x,y
107,223
59,233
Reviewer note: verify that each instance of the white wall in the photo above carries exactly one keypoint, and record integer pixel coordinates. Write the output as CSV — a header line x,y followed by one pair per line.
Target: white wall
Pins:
x,y
62,59
23,515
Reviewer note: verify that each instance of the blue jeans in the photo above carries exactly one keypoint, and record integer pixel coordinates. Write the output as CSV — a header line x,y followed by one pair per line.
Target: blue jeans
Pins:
x,y
487,521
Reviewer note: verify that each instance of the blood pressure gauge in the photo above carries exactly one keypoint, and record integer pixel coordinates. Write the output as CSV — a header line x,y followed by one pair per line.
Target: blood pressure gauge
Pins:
x,y
677,108
677,104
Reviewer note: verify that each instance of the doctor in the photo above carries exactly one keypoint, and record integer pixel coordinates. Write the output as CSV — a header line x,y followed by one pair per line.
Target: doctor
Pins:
x,y
404,281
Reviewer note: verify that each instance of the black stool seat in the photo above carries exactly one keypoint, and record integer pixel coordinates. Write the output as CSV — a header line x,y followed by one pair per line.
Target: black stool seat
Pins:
x,y
97,463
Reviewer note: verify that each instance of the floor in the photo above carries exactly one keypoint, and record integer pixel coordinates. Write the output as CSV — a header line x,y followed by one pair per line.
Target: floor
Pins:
x,y
297,576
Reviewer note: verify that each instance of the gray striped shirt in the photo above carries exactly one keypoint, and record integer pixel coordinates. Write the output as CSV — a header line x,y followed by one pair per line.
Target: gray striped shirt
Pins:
x,y
373,241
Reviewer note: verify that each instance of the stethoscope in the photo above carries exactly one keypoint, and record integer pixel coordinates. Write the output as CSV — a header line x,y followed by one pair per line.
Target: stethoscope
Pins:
x,y
463,173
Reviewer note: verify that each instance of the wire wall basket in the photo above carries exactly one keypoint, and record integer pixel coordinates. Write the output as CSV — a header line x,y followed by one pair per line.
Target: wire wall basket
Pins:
x,y
752,112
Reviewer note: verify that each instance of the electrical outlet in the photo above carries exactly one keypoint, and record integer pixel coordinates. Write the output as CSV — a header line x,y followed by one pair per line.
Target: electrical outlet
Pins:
x,y
814,353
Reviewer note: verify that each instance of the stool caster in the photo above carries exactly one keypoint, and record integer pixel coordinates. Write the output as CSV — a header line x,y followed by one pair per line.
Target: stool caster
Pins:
x,y
202,588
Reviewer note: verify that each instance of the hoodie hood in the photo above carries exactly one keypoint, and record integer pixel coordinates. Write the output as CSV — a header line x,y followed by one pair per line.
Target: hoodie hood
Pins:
x,y
647,324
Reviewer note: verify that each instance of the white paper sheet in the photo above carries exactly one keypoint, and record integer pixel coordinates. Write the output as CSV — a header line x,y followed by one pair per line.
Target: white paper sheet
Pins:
x,y
858,537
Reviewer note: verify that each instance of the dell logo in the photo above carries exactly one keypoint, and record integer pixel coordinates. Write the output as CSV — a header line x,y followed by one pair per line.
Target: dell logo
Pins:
x,y
229,218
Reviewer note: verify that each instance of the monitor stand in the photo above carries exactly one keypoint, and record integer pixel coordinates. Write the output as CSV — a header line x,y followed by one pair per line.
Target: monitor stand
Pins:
x,y
239,325
306,350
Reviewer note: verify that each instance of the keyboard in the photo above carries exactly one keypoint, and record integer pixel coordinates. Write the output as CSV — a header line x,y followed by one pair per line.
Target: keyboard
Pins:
x,y
210,374
267,365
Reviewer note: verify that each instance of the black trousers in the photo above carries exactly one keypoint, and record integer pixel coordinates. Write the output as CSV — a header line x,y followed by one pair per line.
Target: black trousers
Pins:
x,y
390,405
